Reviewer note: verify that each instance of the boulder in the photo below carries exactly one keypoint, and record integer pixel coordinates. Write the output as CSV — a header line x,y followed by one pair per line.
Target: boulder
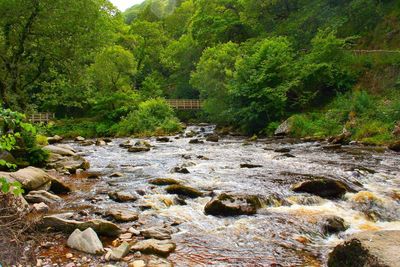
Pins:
x,y
181,170
59,187
282,150
163,181
137,149
332,225
72,164
121,251
212,138
54,139
116,174
395,146
156,233
183,190
122,196
123,215
100,142
31,178
42,196
40,207
372,248
87,143
86,241
79,139
249,166
284,129
154,246
59,223
232,205
196,141
323,187
59,150
163,139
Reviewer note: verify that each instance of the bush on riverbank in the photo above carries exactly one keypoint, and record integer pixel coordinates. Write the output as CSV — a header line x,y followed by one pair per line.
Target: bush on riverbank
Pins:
x,y
151,117
369,118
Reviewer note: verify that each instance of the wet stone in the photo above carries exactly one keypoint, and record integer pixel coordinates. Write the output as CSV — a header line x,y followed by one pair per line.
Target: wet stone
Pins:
x,y
249,166
322,187
184,191
232,205
156,233
181,170
122,215
122,196
333,225
154,246
163,181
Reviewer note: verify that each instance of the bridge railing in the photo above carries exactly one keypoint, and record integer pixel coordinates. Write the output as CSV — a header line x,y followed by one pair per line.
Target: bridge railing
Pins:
x,y
185,103
42,117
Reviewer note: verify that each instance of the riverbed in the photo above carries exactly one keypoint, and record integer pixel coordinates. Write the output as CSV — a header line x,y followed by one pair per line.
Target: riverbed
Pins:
x,y
285,232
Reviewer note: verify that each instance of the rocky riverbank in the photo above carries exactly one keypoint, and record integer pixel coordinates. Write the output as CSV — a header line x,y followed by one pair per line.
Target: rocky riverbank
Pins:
x,y
200,199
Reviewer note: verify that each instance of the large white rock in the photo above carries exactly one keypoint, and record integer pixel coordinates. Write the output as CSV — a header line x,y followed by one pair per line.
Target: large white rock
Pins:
x,y
86,241
61,150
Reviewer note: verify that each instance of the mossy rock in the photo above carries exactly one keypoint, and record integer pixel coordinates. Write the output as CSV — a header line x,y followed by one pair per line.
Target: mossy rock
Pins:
x,y
233,205
183,190
163,181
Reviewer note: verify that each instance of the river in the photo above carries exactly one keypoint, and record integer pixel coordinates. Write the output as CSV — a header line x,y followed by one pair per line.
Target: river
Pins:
x,y
287,232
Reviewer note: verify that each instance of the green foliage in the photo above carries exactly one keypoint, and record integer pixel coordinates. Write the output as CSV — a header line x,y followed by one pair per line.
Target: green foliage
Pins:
x,y
19,138
262,80
152,116
212,78
11,187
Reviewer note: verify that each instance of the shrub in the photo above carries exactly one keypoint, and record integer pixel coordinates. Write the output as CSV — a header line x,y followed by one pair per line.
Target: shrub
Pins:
x,y
152,116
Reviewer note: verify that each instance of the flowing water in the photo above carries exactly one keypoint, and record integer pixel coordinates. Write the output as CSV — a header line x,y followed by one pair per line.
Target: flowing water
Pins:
x,y
287,232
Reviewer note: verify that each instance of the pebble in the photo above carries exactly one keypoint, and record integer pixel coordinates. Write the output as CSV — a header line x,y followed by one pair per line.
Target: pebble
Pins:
x,y
133,231
126,236
69,255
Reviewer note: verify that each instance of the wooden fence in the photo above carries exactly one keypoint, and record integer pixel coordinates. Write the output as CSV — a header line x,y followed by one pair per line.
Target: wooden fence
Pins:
x,y
43,117
185,103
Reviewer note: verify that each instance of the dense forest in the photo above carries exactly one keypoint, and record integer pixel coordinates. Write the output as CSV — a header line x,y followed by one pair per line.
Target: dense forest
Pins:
x,y
253,63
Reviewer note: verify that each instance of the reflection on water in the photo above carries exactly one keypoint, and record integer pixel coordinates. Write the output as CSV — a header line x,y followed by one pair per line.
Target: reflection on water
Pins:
x,y
285,232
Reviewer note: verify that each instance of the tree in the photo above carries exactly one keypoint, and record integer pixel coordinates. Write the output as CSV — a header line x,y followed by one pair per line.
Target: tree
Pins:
x,y
212,78
40,37
262,79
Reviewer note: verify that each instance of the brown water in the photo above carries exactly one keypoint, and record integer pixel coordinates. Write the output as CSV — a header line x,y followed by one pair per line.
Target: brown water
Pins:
x,y
279,235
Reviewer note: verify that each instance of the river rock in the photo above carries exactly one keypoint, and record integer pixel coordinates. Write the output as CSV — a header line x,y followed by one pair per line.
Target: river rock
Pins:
x,y
181,170
100,142
158,262
332,147
121,251
137,149
322,187
54,139
40,207
79,139
232,205
59,187
59,223
137,263
378,248
163,139
116,174
332,225
284,129
42,196
163,181
249,166
213,138
190,134
122,196
154,246
156,233
87,143
183,190
395,146
86,241
196,141
59,150
31,178
123,215
72,164
282,150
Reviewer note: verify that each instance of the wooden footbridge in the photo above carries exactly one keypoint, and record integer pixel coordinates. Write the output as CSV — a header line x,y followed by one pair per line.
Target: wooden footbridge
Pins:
x,y
185,104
